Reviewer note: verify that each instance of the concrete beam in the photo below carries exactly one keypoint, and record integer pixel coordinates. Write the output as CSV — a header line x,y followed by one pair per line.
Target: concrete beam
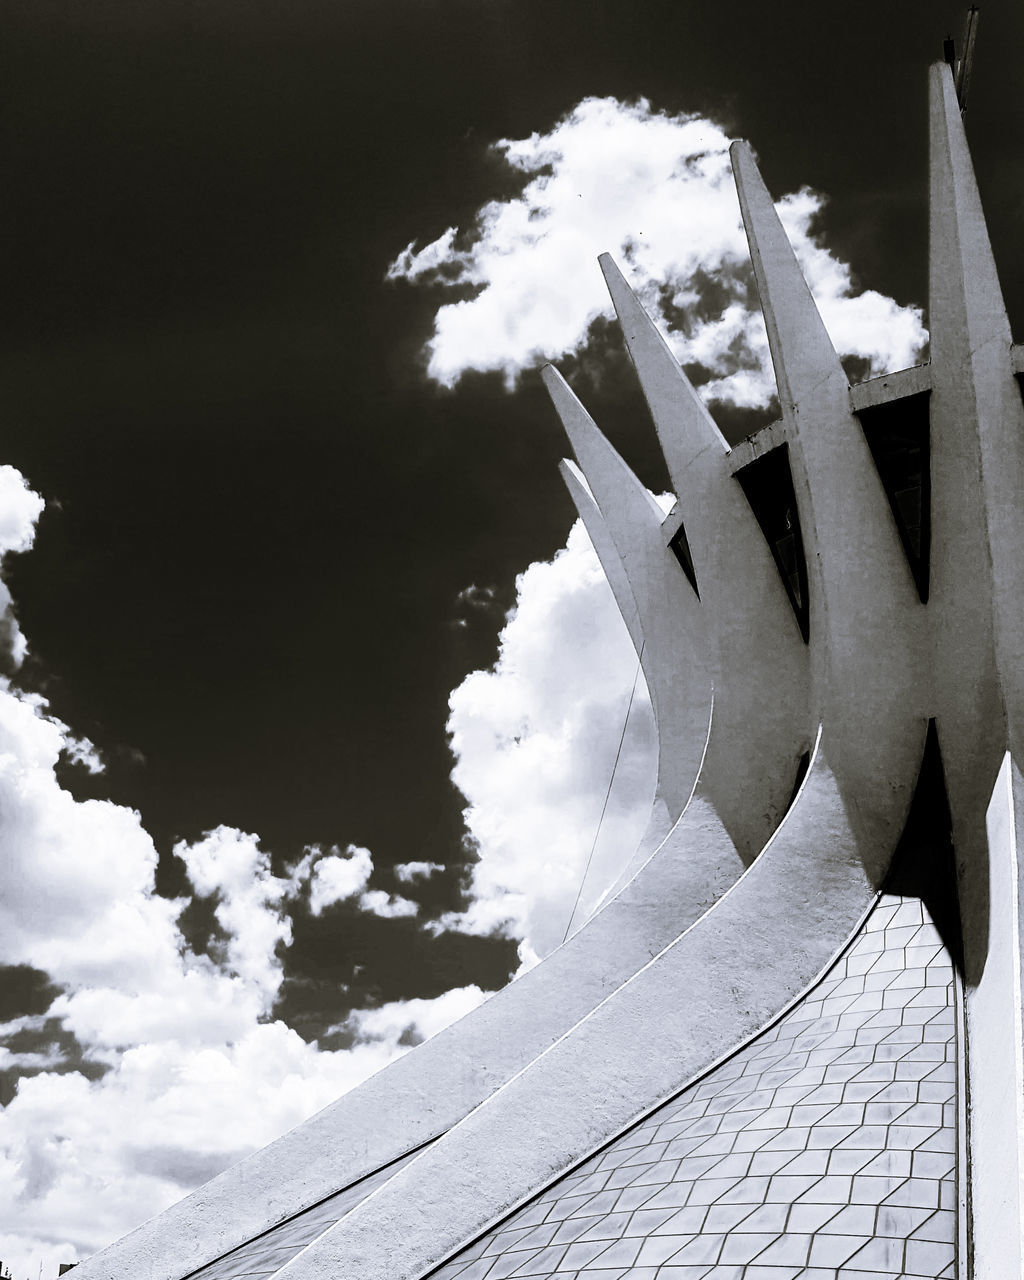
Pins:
x,y
890,386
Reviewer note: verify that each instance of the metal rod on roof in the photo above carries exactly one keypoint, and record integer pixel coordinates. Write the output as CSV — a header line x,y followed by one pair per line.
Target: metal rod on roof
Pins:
x,y
965,64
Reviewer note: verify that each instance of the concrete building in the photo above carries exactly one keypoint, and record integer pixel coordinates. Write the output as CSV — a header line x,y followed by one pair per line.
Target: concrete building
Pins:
x,y
789,1043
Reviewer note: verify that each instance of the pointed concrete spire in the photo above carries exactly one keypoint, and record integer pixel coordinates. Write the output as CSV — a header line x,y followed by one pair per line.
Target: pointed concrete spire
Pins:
x,y
604,545
668,613
685,428
965,301
802,351
628,509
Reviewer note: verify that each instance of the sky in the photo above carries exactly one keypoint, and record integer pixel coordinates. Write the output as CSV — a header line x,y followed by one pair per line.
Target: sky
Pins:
x,y
311,686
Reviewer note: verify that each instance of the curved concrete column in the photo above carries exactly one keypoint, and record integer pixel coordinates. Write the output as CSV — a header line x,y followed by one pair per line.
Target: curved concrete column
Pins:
x,y
867,637
660,822
604,546
757,658
668,609
718,983
977,437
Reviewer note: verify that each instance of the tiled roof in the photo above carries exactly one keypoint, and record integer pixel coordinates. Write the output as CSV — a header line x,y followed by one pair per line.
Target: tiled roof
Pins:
x,y
825,1148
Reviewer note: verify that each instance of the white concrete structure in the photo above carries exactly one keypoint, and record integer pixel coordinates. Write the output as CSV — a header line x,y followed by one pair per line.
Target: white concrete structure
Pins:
x,y
844,588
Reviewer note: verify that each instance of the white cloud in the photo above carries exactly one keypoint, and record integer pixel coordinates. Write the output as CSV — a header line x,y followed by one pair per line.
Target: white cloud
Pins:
x,y
656,191
534,741
82,1162
343,877
20,508
407,872
83,752
387,905
411,1021
197,1074
338,876
230,864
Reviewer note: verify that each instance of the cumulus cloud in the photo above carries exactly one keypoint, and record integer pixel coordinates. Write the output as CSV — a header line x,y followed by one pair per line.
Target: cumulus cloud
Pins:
x,y
337,876
184,1067
534,741
412,1021
387,905
408,872
179,1066
230,865
20,508
656,191
83,752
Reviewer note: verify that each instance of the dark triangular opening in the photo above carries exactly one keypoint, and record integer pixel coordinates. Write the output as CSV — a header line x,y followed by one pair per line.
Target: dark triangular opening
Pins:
x,y
802,765
768,485
681,548
898,436
923,865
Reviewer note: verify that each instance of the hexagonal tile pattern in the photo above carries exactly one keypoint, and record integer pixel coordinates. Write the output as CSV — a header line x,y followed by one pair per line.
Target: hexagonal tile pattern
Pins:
x,y
825,1149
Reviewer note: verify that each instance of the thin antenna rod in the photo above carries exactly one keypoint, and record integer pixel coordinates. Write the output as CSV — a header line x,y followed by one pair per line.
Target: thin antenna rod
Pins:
x,y
965,64
607,794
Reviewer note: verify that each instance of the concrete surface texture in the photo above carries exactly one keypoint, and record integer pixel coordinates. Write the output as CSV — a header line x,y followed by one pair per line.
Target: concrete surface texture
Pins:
x,y
746,1063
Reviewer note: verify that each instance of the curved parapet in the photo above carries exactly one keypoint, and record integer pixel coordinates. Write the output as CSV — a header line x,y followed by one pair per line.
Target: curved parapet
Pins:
x,y
718,983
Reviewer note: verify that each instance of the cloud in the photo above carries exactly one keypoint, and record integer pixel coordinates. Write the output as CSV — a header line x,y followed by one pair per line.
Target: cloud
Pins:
x,y
409,1022
52,1056
82,751
343,877
20,508
81,1162
176,1066
656,191
339,876
387,905
230,865
183,1068
534,741
407,872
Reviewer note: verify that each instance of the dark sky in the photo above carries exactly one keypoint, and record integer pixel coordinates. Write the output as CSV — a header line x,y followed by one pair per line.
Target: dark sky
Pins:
x,y
260,512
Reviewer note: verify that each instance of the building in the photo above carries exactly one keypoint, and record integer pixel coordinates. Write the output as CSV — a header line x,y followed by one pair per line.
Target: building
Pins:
x,y
790,1041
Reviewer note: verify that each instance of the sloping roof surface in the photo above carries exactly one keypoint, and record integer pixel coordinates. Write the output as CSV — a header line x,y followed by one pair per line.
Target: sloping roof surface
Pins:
x,y
828,1142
